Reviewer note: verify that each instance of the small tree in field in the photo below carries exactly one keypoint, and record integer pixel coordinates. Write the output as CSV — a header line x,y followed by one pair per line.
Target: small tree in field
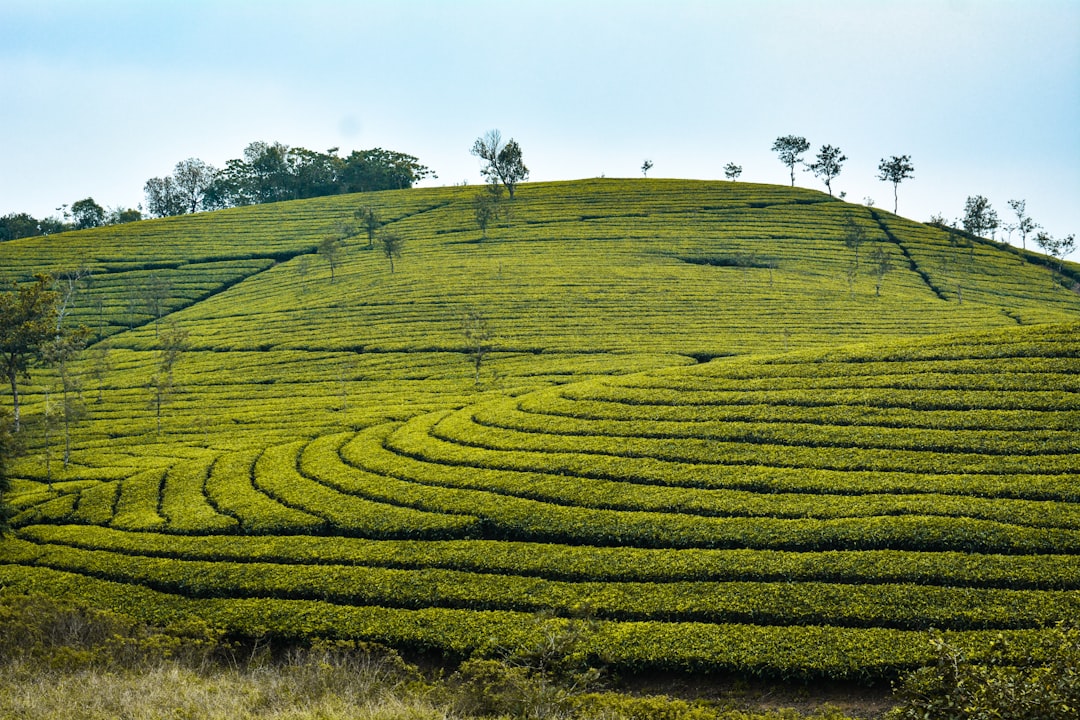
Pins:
x,y
391,244
172,344
478,339
882,266
61,352
732,171
854,237
27,323
330,249
369,220
790,149
895,170
646,167
828,164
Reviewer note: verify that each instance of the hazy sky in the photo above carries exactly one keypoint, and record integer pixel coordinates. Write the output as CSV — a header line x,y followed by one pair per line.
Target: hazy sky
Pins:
x,y
98,96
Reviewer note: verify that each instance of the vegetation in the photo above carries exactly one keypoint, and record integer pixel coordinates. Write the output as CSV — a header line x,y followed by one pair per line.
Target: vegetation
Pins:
x,y
710,447
896,170
790,149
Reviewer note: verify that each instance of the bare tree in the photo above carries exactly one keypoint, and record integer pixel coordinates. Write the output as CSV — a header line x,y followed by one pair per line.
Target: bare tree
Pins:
x,y
330,249
369,220
790,149
391,244
882,266
895,170
854,237
504,161
478,339
173,343
61,352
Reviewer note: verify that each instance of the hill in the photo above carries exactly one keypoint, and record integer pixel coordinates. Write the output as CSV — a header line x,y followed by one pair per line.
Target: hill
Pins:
x,y
701,425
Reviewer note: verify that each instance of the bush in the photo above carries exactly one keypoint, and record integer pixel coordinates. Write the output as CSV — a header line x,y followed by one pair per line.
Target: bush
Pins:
x,y
1043,686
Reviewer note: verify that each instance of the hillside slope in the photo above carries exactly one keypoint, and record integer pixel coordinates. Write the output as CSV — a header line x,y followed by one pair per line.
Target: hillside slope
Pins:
x,y
329,465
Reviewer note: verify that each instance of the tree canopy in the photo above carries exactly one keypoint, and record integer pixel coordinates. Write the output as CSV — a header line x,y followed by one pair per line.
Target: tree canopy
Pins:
x,y
27,322
790,149
504,161
270,172
895,170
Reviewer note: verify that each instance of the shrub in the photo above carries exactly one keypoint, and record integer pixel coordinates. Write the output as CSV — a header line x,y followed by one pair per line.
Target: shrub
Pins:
x,y
1042,686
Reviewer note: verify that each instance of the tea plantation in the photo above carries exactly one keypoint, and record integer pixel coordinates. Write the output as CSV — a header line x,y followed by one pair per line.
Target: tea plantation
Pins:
x,y
700,425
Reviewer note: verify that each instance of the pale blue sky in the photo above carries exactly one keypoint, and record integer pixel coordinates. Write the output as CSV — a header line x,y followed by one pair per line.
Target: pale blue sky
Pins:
x,y
98,96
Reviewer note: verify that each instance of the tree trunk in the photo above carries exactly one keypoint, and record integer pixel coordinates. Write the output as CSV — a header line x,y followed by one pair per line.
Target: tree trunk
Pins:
x,y
14,376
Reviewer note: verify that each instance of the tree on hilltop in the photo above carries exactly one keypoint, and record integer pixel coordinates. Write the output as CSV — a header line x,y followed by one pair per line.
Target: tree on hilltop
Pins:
x,y
1056,248
646,167
827,166
732,171
87,214
979,217
27,322
1024,224
504,162
895,170
790,149
193,179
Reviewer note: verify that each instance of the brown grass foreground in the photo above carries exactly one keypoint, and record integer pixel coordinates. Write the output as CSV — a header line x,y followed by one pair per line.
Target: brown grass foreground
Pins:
x,y
62,660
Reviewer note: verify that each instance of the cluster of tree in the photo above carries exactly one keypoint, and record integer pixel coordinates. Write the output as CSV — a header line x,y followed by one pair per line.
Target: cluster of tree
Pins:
x,y
270,172
80,215
830,160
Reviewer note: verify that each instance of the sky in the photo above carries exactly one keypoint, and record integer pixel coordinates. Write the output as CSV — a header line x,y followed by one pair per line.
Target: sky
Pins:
x,y
97,96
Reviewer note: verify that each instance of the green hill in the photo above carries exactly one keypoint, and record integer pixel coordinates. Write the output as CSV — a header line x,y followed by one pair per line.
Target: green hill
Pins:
x,y
701,424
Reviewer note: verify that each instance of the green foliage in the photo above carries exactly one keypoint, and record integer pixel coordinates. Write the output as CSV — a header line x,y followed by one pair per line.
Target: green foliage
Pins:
x,y
1043,683
650,453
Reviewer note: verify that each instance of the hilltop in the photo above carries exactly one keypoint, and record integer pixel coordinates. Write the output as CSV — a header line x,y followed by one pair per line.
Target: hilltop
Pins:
x,y
699,422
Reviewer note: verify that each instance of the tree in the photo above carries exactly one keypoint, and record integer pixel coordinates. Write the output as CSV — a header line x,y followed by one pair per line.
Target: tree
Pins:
x,y
87,214
732,171
192,178
369,220
854,237
27,323
882,266
478,339
154,297
163,197
979,217
61,352
391,246
895,170
827,166
1024,224
9,448
172,344
790,148
119,216
504,162
1056,248
646,167
330,249
19,225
